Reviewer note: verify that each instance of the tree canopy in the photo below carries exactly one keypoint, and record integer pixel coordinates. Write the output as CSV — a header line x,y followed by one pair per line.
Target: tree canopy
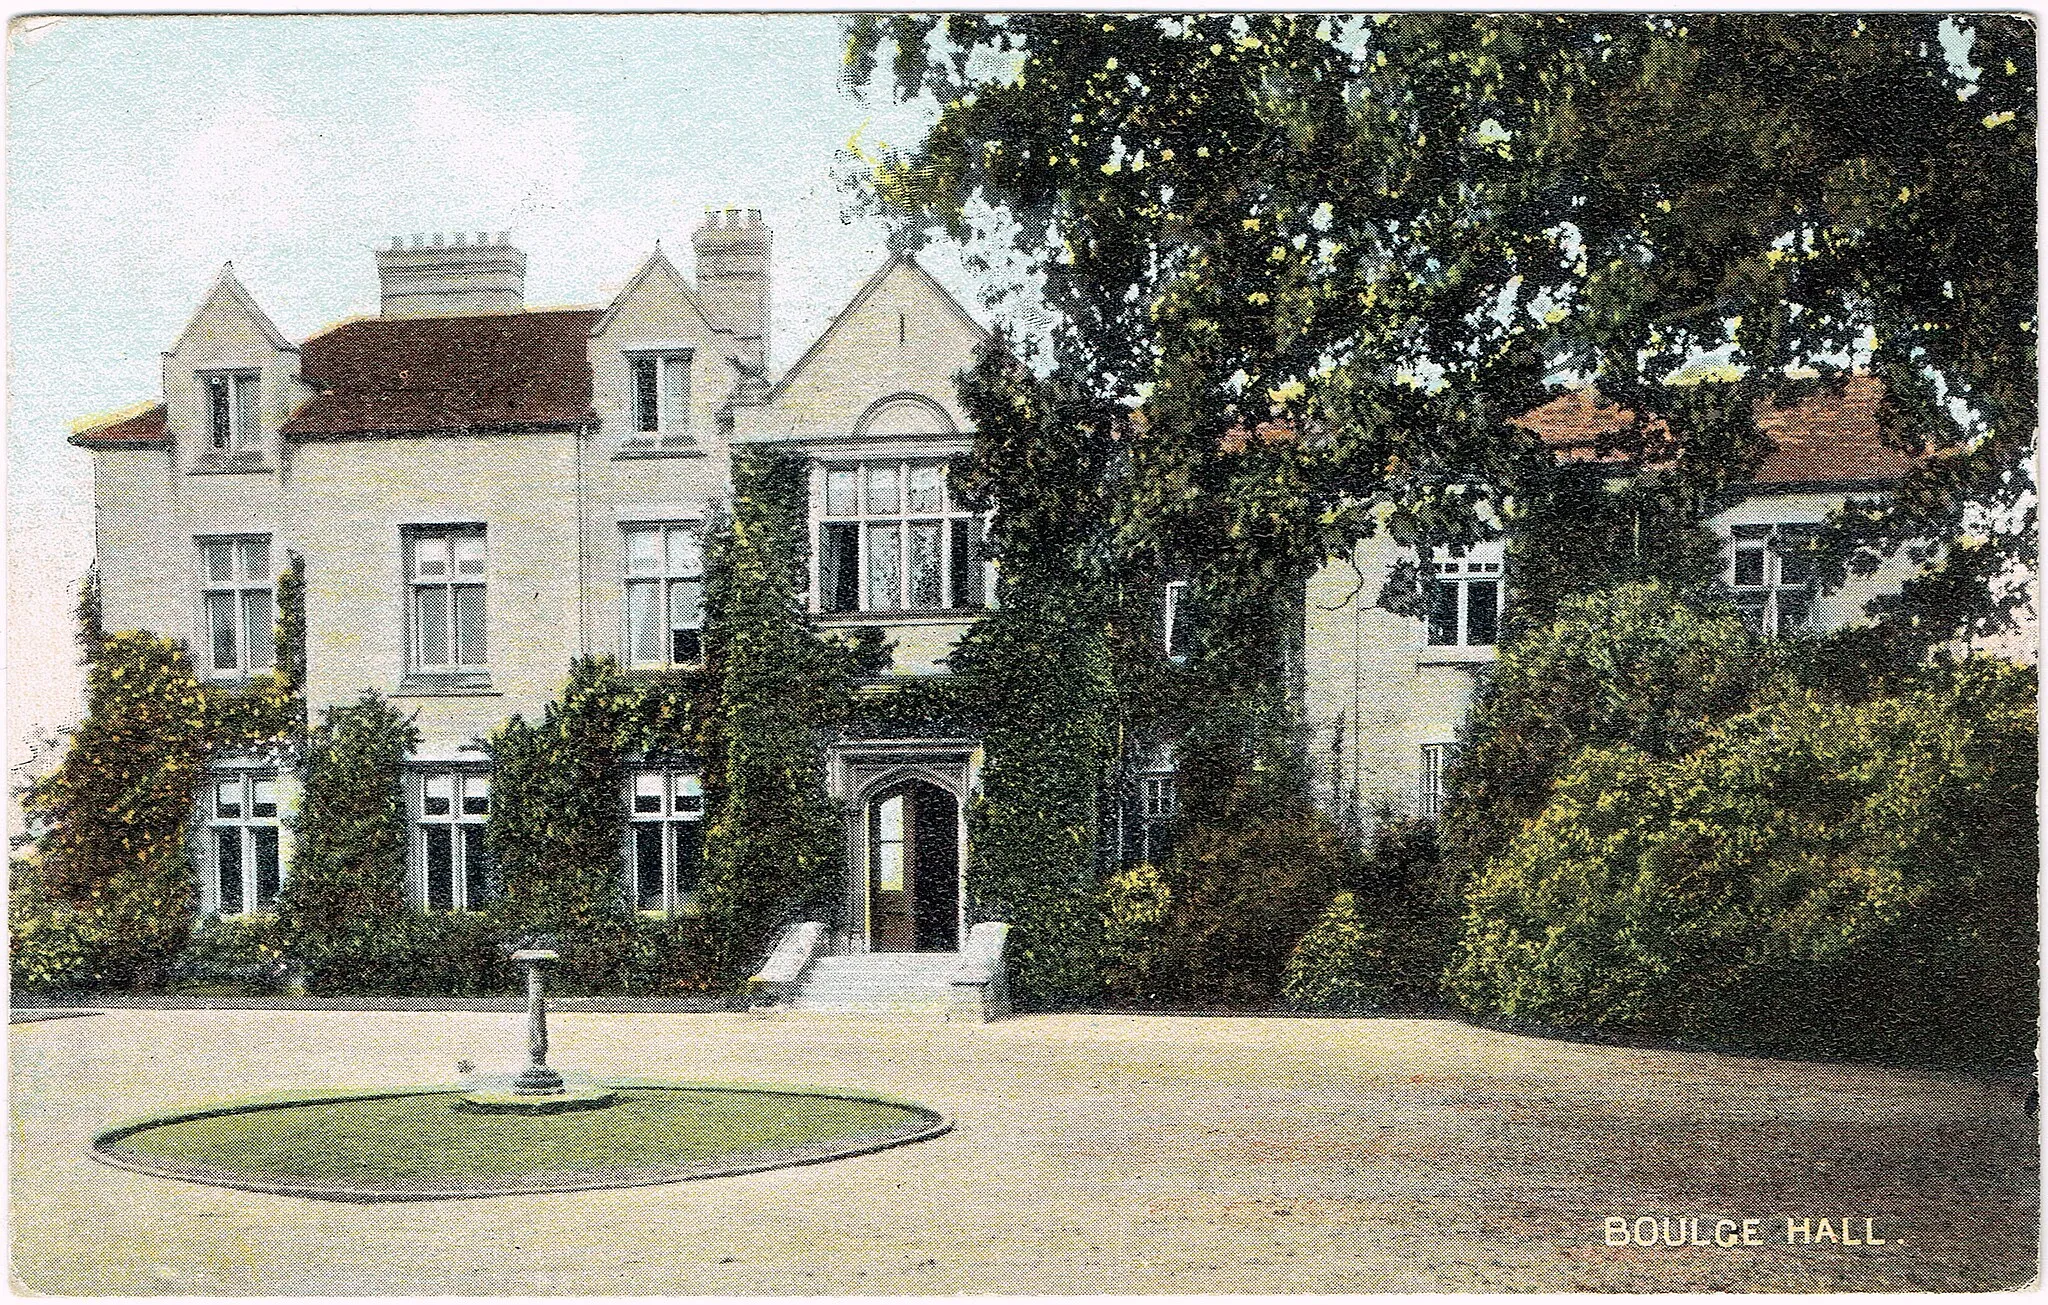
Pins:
x,y
1391,237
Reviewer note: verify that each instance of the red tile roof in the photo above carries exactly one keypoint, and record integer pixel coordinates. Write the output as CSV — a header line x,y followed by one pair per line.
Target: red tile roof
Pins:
x,y
504,371
141,430
1824,437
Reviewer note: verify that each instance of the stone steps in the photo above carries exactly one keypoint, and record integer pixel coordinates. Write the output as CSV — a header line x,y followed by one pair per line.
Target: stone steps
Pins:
x,y
883,983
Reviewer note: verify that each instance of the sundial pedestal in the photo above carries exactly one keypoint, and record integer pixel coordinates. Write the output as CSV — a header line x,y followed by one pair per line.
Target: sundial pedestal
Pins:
x,y
539,1089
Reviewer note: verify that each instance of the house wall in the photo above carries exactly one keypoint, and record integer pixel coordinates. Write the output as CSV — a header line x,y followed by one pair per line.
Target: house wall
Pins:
x,y
1374,693
350,501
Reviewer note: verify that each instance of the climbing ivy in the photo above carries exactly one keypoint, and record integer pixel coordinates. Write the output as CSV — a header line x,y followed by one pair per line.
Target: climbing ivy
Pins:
x,y
774,848
346,890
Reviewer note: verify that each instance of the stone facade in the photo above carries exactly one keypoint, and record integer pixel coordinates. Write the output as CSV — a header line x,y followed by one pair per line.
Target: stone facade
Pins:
x,y
483,493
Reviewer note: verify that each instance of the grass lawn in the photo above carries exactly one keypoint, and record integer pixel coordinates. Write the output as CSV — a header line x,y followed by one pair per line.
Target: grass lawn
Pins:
x,y
420,1142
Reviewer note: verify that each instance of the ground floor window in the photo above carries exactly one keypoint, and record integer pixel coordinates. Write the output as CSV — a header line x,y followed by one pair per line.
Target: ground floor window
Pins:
x,y
1158,804
1436,763
245,860
667,838
451,809
1769,572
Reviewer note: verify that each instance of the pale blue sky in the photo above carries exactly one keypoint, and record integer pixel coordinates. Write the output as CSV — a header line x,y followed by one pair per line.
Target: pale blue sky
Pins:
x,y
142,153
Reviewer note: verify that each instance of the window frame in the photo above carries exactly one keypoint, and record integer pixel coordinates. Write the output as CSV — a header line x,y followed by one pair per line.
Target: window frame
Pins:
x,y
244,415
1767,540
465,834
672,818
1155,805
243,585
1430,791
962,563
664,581
450,585
1457,573
245,826
671,426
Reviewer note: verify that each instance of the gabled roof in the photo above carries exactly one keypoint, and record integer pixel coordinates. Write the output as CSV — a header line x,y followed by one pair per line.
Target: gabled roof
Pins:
x,y
861,296
1826,437
227,285
138,426
501,371
655,262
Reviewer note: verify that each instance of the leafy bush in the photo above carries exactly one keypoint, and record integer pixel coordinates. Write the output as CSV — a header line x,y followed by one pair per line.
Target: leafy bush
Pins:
x,y
239,954
1384,945
418,954
1242,895
1815,878
1631,665
1345,964
1135,901
52,945
349,855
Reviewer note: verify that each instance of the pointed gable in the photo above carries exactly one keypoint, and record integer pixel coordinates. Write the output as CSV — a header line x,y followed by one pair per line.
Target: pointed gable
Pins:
x,y
226,313
657,294
900,341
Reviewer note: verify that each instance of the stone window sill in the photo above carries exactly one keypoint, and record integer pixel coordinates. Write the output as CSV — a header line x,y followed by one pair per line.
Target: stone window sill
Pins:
x,y
1453,655
468,684
231,464
633,451
949,616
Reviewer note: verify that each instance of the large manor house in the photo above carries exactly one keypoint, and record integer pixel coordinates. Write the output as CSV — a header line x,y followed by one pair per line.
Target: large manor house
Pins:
x,y
482,493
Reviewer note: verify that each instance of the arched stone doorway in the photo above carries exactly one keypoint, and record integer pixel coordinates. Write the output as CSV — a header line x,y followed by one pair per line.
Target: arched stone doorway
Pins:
x,y
913,835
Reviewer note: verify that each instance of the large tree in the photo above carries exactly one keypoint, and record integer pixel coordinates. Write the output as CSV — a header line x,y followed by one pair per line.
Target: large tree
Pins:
x,y
1393,236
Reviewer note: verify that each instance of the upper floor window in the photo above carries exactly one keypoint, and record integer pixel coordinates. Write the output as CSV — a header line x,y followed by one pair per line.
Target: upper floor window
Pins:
x,y
890,539
1769,571
239,625
232,419
448,844
446,569
243,842
1436,764
661,395
1467,597
664,594
667,822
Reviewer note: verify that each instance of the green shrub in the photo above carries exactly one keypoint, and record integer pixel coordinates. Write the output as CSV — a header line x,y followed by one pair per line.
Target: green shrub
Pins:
x,y
1345,964
1242,895
1135,901
775,849
242,955
1383,946
348,870
1634,665
52,945
418,954
1814,879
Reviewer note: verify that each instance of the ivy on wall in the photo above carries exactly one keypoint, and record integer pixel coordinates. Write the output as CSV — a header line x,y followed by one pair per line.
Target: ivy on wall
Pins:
x,y
347,880
775,850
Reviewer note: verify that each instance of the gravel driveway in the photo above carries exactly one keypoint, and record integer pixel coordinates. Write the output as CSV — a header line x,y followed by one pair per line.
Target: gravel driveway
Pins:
x,y
1092,1154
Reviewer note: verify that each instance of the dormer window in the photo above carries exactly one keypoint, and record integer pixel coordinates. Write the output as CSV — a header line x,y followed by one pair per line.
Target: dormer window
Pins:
x,y
232,419
661,396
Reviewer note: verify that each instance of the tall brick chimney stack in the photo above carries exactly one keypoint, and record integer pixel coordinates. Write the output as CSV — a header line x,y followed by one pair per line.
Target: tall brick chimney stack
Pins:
x,y
451,277
732,278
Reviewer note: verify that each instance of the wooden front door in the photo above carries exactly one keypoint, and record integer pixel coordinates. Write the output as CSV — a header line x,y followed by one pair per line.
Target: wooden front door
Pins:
x,y
913,869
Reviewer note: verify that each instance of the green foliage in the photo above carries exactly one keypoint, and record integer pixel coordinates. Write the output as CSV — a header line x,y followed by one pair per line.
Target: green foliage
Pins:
x,y
113,853
291,624
1345,964
558,822
1634,664
1243,892
347,883
233,955
1812,878
775,849
1135,901
1392,233
52,945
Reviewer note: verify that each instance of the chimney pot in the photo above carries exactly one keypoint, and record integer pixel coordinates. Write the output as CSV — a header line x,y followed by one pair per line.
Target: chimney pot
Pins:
x,y
461,238
418,240
437,240
398,242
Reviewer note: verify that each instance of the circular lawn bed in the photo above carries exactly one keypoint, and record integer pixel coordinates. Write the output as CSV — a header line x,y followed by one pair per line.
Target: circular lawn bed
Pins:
x,y
415,1145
